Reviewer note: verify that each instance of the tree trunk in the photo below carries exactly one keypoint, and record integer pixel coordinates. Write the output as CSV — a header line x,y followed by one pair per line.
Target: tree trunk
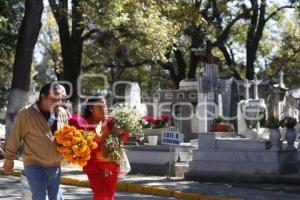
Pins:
x,y
197,40
193,66
72,66
250,64
27,37
71,44
254,35
181,66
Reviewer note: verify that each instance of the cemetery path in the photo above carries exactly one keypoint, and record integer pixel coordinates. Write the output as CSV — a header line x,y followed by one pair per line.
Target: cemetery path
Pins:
x,y
138,185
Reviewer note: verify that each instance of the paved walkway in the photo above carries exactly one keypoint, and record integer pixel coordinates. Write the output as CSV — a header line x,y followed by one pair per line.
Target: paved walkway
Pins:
x,y
152,185
183,189
11,189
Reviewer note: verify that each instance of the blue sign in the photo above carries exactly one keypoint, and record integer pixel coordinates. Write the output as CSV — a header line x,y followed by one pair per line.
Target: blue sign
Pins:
x,y
171,138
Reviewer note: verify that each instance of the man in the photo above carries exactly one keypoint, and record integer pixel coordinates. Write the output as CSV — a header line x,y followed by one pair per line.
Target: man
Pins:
x,y
34,127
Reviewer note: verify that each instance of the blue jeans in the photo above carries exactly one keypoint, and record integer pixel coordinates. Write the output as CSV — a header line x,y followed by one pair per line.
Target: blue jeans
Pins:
x,y
44,180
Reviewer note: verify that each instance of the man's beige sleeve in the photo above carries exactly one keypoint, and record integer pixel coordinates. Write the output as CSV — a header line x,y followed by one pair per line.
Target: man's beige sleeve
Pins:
x,y
15,138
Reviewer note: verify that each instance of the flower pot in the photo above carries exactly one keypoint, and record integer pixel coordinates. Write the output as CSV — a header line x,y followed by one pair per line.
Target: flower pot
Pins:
x,y
220,127
290,137
152,140
275,139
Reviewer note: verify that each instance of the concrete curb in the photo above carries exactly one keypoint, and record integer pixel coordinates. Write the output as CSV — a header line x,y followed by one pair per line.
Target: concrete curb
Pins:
x,y
139,188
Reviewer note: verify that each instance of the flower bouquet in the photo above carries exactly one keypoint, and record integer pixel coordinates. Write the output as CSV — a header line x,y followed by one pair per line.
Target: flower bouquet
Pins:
x,y
75,145
128,119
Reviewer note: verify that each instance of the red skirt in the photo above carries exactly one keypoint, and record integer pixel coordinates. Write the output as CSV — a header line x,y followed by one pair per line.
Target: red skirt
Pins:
x,y
103,178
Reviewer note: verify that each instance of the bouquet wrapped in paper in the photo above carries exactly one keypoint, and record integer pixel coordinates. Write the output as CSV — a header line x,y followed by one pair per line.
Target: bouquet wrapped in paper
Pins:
x,y
75,145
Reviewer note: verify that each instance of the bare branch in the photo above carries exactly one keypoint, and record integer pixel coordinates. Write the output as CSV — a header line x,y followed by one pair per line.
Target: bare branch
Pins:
x,y
126,64
224,35
89,34
277,10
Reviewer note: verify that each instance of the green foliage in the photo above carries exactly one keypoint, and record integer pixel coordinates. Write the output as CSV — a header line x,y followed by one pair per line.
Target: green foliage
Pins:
x,y
135,28
273,123
288,55
112,148
10,18
219,119
134,38
50,68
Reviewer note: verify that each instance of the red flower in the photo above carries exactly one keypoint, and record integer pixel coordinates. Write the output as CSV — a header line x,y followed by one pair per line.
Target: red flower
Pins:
x,y
150,119
164,118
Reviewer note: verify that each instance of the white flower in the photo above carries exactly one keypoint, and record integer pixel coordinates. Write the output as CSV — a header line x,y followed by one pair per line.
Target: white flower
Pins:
x,y
128,119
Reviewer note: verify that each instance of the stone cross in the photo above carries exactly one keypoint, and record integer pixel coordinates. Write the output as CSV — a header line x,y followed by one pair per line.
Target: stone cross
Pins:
x,y
247,86
281,83
255,87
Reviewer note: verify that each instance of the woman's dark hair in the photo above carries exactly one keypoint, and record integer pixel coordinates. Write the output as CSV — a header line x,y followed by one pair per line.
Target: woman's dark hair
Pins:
x,y
88,104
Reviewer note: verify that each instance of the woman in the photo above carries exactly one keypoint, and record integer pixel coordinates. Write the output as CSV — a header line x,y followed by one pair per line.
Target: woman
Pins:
x,y
102,173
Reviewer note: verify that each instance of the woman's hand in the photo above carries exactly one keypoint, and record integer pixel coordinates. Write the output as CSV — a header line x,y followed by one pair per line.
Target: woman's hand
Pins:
x,y
103,133
118,131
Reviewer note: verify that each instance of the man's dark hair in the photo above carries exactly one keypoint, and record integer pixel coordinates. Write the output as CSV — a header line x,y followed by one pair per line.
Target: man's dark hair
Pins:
x,y
47,87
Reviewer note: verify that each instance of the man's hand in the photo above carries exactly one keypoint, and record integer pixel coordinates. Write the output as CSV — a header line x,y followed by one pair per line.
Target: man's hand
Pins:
x,y
8,167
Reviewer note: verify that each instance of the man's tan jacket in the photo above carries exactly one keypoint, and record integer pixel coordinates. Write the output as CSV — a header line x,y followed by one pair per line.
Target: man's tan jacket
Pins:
x,y
31,129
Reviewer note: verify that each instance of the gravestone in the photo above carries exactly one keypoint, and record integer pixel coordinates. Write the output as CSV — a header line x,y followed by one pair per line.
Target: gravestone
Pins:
x,y
133,97
180,105
249,113
132,94
208,97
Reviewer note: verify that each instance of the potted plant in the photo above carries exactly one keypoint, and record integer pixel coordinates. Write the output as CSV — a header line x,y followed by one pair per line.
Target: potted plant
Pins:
x,y
289,123
220,126
153,126
160,122
273,124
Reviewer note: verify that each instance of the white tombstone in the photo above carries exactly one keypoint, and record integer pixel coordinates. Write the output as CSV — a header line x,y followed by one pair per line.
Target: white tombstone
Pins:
x,y
211,71
132,94
250,110
220,104
194,123
207,97
281,82
247,86
255,87
133,97
201,114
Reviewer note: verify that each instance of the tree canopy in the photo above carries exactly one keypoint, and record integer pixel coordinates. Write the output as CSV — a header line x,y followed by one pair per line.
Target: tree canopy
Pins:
x,y
155,42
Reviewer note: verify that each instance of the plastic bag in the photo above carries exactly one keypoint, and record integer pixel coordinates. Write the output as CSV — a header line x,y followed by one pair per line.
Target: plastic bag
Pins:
x,y
124,168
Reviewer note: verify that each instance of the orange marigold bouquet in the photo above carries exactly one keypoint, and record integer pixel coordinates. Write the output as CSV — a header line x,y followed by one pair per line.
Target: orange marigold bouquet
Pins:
x,y
75,145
